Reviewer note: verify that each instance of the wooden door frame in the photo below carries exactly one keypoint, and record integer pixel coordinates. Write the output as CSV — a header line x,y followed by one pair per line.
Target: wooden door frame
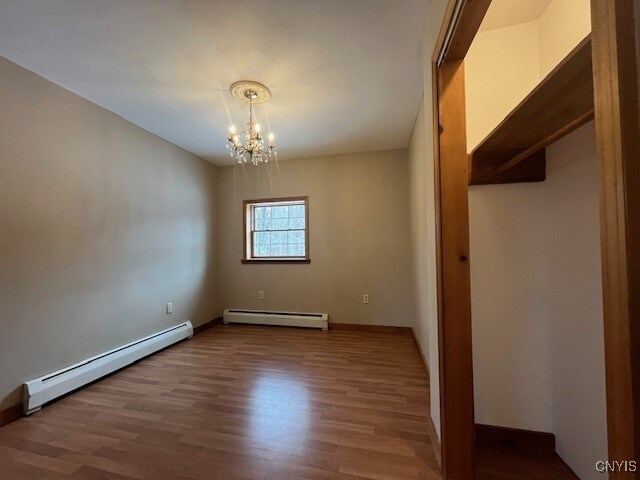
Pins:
x,y
454,324
615,40
457,436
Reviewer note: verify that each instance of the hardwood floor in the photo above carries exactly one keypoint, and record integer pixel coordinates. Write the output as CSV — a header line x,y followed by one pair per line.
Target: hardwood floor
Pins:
x,y
241,402
503,462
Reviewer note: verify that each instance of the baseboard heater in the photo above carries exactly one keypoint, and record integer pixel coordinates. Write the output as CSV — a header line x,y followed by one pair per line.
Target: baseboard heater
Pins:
x,y
41,390
285,319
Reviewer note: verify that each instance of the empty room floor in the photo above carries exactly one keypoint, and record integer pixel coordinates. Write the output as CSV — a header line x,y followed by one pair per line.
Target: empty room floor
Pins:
x,y
241,402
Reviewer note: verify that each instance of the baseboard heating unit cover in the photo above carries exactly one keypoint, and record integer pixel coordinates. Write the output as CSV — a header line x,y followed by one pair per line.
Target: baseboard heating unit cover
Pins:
x,y
285,319
41,390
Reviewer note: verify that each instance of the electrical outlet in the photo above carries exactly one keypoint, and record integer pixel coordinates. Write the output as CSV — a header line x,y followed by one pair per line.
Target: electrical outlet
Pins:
x,y
365,298
169,308
260,294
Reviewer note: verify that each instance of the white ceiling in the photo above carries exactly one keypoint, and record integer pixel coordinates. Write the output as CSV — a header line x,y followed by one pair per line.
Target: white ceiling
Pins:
x,y
503,13
345,75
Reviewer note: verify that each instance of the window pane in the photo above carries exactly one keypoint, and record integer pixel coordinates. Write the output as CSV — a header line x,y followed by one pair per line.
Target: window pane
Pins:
x,y
296,236
279,238
296,211
279,250
296,223
280,212
262,212
262,224
296,250
261,238
279,224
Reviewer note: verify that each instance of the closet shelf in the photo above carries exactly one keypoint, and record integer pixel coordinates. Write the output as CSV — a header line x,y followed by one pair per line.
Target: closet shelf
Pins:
x,y
515,150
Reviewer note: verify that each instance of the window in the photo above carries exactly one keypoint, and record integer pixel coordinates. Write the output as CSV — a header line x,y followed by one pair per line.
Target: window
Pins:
x,y
276,230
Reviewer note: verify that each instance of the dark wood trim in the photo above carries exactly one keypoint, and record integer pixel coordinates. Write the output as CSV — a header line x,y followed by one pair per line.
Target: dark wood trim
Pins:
x,y
433,435
483,168
277,199
207,325
615,47
525,440
246,231
422,355
356,327
257,261
10,414
539,445
435,442
455,342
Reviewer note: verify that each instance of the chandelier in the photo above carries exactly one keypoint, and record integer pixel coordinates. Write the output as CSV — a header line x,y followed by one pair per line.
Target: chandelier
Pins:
x,y
248,146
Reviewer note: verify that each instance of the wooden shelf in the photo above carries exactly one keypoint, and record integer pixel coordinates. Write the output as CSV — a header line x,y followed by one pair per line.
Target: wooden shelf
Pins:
x,y
563,101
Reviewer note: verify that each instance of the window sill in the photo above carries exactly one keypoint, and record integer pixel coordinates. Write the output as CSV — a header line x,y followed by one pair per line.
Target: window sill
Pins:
x,y
275,260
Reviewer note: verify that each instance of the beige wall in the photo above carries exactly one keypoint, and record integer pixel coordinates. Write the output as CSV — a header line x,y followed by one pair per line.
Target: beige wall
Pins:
x,y
359,238
574,296
535,269
419,212
507,226
422,214
501,68
102,223
422,218
562,25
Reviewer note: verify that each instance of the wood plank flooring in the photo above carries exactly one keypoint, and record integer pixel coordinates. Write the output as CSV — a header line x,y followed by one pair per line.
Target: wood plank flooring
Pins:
x,y
241,402
495,462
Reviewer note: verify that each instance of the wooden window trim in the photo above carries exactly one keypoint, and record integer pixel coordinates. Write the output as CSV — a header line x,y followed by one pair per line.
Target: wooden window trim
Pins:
x,y
246,231
275,261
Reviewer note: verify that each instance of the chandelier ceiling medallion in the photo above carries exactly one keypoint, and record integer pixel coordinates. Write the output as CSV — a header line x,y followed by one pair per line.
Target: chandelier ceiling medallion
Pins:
x,y
248,146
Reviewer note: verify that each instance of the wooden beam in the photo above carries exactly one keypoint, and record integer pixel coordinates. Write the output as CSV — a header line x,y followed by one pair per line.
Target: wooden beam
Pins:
x,y
471,17
545,142
483,166
456,361
615,38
